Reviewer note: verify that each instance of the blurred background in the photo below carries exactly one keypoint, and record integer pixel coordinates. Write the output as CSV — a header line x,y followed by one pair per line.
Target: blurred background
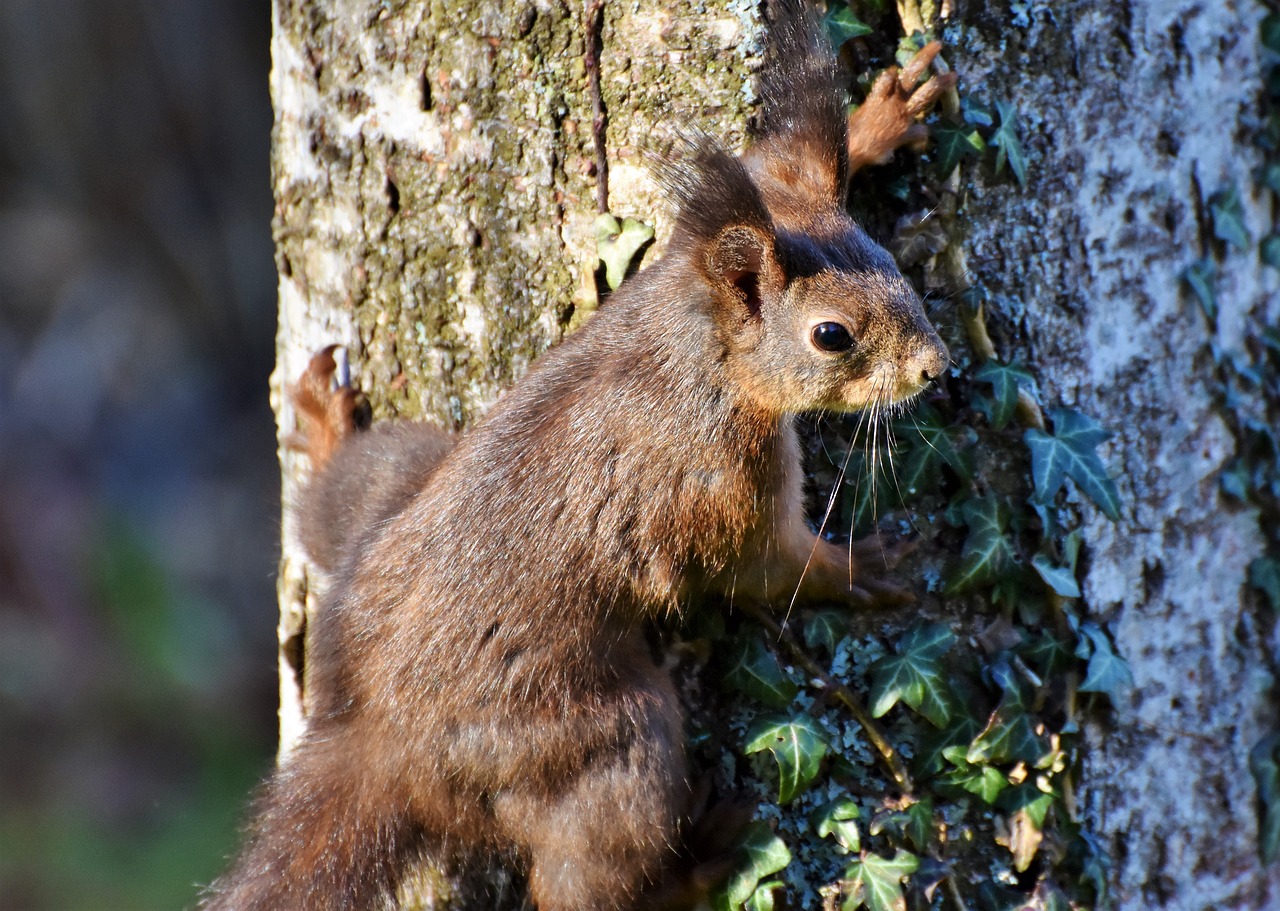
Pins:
x,y
138,488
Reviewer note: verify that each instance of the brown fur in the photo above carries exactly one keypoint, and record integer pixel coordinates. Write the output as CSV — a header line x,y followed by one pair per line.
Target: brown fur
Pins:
x,y
479,676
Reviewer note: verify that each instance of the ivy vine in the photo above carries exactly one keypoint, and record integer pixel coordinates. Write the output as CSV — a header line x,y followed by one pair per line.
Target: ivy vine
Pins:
x,y
927,759
1247,389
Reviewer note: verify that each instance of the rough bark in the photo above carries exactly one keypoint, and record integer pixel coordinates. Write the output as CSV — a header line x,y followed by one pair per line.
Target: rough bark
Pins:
x,y
433,172
1134,112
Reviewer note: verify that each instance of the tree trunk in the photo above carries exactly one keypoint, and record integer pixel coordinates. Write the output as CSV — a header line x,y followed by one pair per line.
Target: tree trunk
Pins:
x,y
1136,113
436,176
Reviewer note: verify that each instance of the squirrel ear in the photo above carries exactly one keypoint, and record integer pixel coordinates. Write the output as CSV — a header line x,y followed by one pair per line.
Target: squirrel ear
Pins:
x,y
738,262
723,223
801,131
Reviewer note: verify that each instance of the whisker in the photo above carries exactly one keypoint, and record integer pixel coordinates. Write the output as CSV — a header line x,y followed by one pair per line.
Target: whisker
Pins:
x,y
822,527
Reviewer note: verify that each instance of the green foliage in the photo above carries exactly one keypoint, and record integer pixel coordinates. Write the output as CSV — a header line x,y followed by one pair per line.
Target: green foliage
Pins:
x,y
1199,277
838,820
842,24
875,882
1264,575
1227,213
798,746
762,854
1271,32
983,781
824,629
954,144
617,245
942,445
755,671
1060,579
1264,762
1005,381
914,676
1269,250
1006,140
989,556
1069,451
1107,672
1010,736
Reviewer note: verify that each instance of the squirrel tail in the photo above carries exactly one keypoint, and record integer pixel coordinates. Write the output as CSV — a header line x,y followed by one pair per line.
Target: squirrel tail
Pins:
x,y
314,845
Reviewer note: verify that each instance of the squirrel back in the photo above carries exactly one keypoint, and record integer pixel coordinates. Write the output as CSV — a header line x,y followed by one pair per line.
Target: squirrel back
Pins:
x,y
478,677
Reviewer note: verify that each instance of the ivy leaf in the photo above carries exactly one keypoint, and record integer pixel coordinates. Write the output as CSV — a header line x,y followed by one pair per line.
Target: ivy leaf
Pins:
x,y
756,672
798,745
1009,736
1264,575
842,25
1269,250
1264,763
1070,452
876,882
988,554
763,898
936,745
920,823
762,854
1030,808
1047,655
983,781
1005,380
617,245
1227,212
825,629
838,820
1006,140
1059,578
1271,32
1199,277
954,145
871,489
913,676
1107,672
975,112
933,445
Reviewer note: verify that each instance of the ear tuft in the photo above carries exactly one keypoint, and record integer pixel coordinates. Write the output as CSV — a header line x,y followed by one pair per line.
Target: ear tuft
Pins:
x,y
803,119
711,188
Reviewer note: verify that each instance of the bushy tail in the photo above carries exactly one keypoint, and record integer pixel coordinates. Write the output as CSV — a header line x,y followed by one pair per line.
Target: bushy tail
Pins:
x,y
316,843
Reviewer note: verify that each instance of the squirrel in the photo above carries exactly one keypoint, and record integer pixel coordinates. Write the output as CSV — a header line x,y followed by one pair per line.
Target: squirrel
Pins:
x,y
479,679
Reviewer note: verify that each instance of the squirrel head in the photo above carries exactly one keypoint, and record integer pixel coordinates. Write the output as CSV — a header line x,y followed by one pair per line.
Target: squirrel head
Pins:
x,y
810,312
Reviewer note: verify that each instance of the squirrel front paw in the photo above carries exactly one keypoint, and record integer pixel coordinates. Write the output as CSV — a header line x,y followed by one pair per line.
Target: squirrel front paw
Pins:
x,y
875,561
330,411
887,120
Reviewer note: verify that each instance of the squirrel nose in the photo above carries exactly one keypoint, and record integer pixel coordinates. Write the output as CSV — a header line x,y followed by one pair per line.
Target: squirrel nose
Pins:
x,y
929,361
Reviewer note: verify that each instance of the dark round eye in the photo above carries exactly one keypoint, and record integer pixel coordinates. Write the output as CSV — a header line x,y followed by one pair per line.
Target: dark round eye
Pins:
x,y
832,337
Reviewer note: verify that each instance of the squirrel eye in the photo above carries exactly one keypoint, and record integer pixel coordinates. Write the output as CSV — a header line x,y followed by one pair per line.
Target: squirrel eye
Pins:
x,y
832,337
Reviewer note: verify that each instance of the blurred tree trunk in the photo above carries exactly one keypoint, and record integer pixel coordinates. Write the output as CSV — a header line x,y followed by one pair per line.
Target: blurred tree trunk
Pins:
x,y
435,184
